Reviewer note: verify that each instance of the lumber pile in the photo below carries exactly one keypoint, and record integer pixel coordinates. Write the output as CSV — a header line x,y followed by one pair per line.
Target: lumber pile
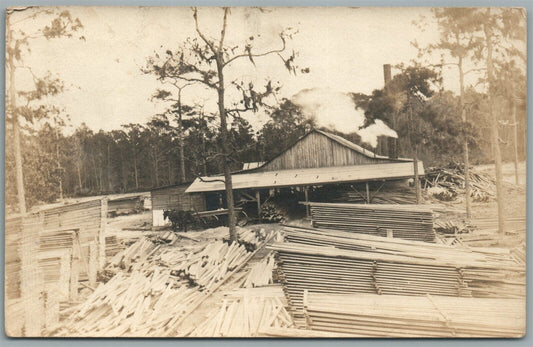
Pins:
x,y
112,246
156,286
243,313
260,274
371,315
339,262
410,222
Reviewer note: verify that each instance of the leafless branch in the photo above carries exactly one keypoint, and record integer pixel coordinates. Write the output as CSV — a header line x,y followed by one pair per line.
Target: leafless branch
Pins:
x,y
247,55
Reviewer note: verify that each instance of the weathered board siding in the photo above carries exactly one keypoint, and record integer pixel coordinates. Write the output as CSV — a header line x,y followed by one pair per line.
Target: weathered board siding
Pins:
x,y
124,204
316,150
13,235
174,198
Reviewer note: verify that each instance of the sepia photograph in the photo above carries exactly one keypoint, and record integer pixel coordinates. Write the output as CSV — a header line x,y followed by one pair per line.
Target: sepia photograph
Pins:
x,y
265,172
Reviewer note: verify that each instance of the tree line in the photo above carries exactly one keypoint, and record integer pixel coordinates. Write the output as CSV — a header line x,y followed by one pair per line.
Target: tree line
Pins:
x,y
185,141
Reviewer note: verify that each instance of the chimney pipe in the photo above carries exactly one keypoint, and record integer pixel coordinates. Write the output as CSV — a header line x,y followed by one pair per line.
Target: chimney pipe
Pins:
x,y
392,143
387,76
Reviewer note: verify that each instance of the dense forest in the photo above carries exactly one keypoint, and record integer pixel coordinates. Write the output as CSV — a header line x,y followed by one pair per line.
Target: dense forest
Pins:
x,y
143,156
433,124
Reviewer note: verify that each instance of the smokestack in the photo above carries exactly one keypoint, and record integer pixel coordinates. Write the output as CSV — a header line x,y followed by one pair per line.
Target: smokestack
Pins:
x,y
392,143
387,76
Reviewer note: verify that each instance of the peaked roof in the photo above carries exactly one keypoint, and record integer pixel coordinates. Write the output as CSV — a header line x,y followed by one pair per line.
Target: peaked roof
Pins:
x,y
343,142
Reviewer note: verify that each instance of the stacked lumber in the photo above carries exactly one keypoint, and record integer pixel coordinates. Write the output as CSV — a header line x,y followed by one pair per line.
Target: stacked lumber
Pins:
x,y
371,315
112,246
243,313
260,274
13,235
410,222
351,263
155,288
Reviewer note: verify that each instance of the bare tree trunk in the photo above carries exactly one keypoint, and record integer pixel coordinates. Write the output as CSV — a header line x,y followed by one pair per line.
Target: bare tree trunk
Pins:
x,y
135,170
417,177
465,144
494,128
14,118
59,168
79,175
225,150
109,175
183,177
515,141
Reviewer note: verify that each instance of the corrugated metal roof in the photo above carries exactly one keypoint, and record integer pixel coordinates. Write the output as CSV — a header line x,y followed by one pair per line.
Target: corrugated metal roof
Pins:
x,y
308,177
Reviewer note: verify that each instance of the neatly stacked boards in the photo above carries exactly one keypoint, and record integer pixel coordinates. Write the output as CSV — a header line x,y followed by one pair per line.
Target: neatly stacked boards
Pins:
x,y
369,264
400,221
371,315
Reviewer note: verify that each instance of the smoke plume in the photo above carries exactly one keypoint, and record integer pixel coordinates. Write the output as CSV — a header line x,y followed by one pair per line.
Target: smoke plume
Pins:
x,y
337,111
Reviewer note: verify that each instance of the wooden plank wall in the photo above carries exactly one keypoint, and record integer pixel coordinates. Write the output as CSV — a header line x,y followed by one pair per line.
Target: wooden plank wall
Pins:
x,y
85,216
176,198
46,252
317,150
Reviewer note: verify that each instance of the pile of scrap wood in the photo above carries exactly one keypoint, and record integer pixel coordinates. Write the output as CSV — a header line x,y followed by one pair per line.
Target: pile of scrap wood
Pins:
x,y
157,285
270,213
340,262
371,315
411,222
451,182
244,313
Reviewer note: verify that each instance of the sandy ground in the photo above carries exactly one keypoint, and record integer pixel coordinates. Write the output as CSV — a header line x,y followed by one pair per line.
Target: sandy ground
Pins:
x,y
484,217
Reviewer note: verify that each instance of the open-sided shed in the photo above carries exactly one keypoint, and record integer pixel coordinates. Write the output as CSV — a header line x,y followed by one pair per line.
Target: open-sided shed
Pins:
x,y
318,159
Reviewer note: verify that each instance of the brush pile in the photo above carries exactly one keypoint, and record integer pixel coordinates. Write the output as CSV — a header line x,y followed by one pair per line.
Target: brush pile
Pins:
x,y
446,184
270,213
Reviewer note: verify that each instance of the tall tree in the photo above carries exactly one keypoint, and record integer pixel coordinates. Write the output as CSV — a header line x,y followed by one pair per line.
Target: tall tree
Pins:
x,y
458,40
205,60
61,25
501,29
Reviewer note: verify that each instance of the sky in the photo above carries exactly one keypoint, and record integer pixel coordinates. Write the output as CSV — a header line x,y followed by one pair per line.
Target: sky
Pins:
x,y
344,49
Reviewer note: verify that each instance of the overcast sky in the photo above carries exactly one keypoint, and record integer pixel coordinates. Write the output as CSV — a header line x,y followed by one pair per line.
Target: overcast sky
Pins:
x,y
344,48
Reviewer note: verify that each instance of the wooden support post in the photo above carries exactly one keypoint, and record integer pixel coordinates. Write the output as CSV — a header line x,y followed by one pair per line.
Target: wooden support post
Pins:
x,y
101,234
307,212
390,233
52,298
75,269
31,284
259,209
93,264
64,275
367,193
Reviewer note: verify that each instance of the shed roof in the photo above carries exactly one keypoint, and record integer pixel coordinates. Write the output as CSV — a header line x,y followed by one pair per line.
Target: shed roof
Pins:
x,y
308,177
